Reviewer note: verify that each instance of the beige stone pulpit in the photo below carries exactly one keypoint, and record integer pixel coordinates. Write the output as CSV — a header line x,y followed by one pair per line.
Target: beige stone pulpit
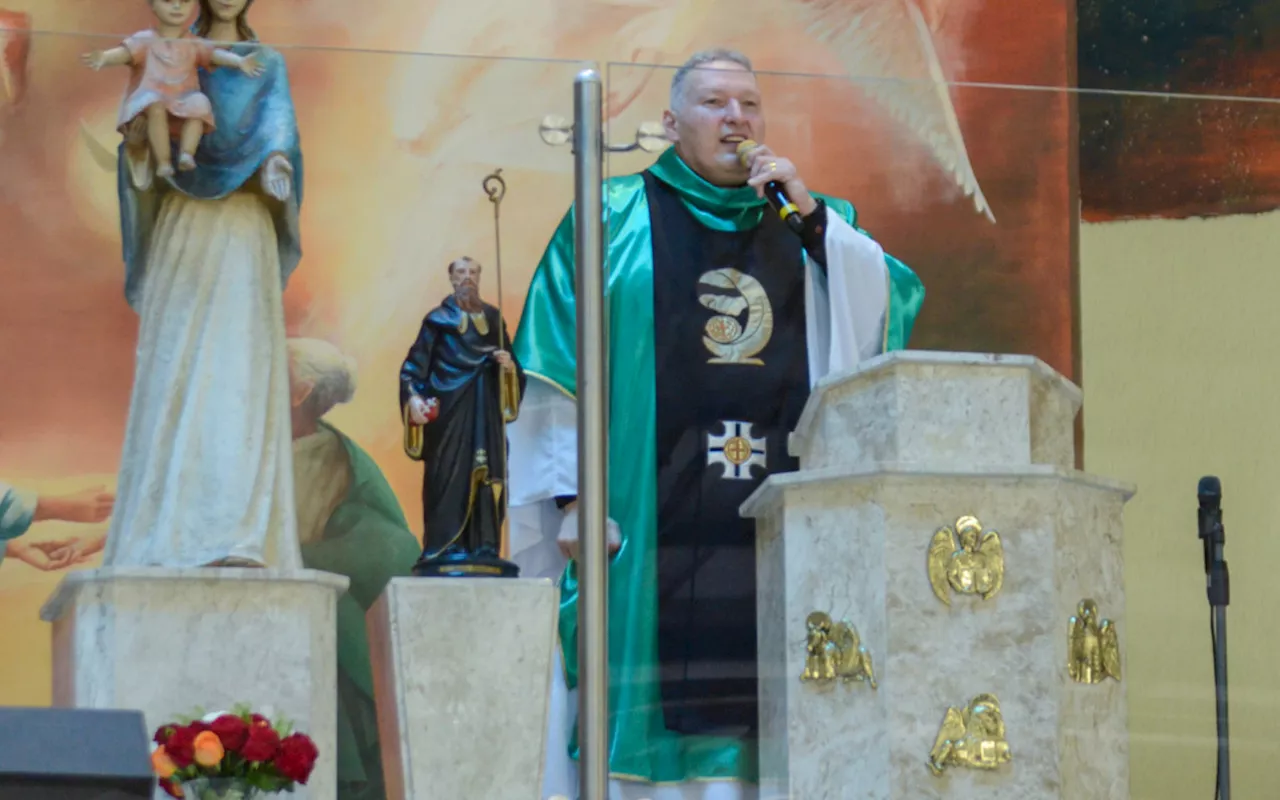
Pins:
x,y
938,541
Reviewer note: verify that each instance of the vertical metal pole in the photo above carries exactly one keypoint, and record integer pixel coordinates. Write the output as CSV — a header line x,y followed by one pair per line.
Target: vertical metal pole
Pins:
x,y
593,394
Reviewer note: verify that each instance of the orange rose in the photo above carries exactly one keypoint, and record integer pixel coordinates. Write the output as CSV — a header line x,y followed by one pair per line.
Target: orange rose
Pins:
x,y
162,764
208,749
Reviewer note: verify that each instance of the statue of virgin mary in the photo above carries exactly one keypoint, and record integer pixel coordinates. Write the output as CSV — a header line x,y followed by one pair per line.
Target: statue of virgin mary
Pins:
x,y
206,473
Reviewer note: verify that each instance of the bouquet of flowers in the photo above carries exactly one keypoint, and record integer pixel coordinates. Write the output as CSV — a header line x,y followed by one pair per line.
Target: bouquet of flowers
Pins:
x,y
239,750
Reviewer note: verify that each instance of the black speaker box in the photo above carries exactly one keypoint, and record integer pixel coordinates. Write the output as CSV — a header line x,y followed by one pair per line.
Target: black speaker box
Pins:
x,y
74,754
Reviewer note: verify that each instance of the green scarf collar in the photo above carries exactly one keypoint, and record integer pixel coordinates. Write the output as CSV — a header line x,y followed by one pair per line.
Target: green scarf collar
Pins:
x,y
714,206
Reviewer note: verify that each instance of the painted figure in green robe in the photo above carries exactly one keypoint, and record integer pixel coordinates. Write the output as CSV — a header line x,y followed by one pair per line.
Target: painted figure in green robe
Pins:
x,y
721,319
349,523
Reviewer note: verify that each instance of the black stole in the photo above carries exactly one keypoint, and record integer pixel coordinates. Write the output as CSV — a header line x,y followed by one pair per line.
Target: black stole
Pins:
x,y
721,429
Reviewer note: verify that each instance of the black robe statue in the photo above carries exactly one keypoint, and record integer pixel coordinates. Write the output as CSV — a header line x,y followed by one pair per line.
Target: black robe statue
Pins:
x,y
464,448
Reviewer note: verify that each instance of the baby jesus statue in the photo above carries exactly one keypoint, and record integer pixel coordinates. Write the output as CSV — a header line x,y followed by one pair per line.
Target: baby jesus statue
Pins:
x,y
164,90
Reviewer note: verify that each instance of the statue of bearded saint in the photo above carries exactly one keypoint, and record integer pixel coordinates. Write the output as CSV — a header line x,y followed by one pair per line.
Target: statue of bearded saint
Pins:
x,y
459,388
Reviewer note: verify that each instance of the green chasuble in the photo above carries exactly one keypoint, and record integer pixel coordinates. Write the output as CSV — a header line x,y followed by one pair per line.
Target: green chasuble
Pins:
x,y
641,747
368,540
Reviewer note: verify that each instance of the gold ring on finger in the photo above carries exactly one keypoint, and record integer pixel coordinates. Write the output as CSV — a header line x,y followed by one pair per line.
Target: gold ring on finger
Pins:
x,y
773,166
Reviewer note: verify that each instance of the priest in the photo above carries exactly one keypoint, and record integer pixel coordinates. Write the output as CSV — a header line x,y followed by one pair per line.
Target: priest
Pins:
x,y
722,318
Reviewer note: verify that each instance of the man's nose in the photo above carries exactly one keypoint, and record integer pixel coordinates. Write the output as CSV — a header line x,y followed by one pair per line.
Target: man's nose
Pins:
x,y
733,111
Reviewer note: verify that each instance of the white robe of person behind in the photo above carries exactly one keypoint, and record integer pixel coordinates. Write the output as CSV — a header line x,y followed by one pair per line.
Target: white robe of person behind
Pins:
x,y
845,313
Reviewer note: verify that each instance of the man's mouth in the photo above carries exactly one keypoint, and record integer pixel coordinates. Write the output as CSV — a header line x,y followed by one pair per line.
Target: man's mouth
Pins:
x,y
734,138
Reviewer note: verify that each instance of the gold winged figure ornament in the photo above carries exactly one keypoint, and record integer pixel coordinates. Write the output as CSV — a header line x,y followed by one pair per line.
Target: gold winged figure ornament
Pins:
x,y
972,737
1093,646
852,660
819,661
966,560
834,651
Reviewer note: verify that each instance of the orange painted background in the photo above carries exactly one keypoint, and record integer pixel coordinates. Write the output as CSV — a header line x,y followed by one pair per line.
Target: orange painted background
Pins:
x,y
396,143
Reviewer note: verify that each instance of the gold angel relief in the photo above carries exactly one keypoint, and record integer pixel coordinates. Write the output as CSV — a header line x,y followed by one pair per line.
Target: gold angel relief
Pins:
x,y
1093,646
833,651
972,737
966,560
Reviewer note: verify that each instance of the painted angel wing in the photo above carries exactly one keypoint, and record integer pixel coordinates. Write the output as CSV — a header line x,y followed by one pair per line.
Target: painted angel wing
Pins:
x,y
992,550
102,155
889,46
941,549
1110,649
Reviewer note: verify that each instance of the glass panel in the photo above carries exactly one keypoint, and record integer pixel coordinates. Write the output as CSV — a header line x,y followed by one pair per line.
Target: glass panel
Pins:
x,y
395,148
1144,305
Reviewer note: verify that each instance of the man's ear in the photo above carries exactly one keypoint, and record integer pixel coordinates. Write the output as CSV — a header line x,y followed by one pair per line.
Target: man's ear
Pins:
x,y
669,125
300,391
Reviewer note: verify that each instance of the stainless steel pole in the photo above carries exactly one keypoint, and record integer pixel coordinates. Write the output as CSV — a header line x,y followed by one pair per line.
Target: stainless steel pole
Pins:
x,y
593,396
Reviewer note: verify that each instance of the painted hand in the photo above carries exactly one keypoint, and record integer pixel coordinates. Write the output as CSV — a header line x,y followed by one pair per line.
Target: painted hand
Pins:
x,y
95,60
276,178
249,66
422,411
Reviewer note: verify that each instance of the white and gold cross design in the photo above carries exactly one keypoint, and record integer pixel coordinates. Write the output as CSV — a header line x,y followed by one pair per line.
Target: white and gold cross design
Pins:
x,y
736,450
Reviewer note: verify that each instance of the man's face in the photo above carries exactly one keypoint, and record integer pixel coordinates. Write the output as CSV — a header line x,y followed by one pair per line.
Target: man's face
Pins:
x,y
464,274
721,106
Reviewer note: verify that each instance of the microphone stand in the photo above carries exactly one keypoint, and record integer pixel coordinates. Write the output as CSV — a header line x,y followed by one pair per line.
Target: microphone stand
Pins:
x,y
1218,588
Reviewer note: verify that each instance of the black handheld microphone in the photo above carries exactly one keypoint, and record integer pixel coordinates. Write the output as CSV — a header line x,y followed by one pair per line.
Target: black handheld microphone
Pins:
x,y
774,192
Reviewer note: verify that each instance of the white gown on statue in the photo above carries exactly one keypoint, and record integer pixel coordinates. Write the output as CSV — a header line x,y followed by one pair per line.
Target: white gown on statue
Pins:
x,y
206,470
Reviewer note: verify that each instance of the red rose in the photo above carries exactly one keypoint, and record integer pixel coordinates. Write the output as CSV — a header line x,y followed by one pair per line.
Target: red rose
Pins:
x,y
261,744
181,745
162,734
297,757
171,788
232,731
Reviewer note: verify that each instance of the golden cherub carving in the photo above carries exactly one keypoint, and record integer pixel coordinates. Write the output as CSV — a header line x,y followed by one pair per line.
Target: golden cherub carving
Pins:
x,y
852,660
1093,646
970,561
834,650
818,662
971,737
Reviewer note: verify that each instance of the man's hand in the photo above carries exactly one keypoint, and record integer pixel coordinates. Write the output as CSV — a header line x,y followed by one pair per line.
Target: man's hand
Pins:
x,y
504,359
89,505
568,538
765,166
422,411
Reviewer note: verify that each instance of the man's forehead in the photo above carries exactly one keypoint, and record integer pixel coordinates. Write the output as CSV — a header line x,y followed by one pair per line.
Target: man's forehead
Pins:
x,y
723,76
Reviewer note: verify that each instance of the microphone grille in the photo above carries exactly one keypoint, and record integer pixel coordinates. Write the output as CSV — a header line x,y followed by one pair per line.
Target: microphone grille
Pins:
x,y
1210,485
744,150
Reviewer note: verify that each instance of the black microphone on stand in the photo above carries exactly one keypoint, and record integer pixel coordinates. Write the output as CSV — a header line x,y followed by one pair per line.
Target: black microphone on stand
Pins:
x,y
774,192
1218,588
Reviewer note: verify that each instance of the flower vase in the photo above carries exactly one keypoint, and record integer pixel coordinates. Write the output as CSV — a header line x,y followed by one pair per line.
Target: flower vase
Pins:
x,y
218,789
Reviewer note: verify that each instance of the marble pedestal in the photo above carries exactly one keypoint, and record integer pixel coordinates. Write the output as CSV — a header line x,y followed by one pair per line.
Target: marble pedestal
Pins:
x,y
460,671
165,641
908,444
